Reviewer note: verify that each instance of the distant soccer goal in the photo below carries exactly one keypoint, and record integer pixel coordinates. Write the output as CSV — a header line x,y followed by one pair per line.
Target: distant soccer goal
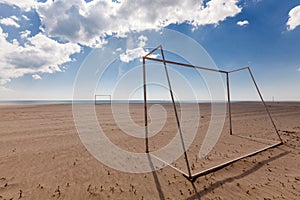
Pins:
x,y
102,98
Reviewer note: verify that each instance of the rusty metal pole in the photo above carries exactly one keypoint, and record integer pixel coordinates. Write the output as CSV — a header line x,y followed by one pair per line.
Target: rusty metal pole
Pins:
x,y
265,105
229,103
176,115
145,106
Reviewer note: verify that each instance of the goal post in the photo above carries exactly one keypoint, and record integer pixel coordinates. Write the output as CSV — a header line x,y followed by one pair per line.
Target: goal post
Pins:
x,y
102,98
189,175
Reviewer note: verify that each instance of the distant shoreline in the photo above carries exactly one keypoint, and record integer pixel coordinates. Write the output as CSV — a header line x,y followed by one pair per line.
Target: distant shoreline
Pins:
x,y
43,102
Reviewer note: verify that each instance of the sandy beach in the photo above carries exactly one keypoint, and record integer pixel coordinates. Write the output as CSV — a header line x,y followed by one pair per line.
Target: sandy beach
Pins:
x,y
42,157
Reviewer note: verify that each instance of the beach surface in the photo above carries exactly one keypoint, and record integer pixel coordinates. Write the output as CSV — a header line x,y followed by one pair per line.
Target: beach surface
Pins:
x,y
42,156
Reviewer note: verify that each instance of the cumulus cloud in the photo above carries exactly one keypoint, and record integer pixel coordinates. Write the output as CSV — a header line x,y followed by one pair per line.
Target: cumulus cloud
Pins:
x,y
294,18
36,77
88,23
24,5
243,23
10,21
131,54
134,53
39,54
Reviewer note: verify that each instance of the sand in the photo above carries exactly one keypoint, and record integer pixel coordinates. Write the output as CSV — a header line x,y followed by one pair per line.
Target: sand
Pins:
x,y
42,157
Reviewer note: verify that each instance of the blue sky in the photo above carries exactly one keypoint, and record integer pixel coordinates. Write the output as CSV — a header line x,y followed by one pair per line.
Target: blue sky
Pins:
x,y
43,44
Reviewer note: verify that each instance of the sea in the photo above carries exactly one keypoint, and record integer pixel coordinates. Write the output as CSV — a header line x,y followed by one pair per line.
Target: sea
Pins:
x,y
28,102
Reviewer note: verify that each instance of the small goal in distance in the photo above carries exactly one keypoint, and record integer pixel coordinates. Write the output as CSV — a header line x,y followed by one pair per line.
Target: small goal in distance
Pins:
x,y
102,98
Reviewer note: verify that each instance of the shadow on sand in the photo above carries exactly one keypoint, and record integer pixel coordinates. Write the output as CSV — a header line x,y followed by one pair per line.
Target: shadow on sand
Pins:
x,y
157,184
199,194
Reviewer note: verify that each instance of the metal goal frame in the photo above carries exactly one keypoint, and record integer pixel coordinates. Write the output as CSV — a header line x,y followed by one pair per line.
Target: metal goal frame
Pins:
x,y
189,175
103,95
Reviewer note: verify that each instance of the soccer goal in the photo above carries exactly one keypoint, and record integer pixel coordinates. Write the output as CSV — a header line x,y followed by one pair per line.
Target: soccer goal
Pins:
x,y
189,175
102,98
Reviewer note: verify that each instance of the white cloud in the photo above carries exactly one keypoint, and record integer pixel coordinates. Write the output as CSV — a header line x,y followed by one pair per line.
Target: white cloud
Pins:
x,y
142,41
25,5
25,34
243,23
299,69
36,77
11,21
15,18
134,53
139,52
39,54
294,18
89,23
25,17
